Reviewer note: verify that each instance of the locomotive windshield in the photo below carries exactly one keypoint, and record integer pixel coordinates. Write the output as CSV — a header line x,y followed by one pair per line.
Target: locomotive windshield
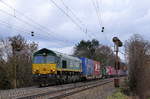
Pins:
x,y
44,59
39,59
50,59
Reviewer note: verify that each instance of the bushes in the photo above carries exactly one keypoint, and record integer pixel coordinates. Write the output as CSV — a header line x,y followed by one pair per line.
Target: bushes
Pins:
x,y
118,95
138,58
4,81
16,62
125,89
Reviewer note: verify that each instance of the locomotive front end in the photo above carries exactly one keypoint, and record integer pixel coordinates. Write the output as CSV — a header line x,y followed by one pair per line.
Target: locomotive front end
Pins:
x,y
44,67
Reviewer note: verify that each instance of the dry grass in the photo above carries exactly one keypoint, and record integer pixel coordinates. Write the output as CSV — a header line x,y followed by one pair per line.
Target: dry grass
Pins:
x,y
118,95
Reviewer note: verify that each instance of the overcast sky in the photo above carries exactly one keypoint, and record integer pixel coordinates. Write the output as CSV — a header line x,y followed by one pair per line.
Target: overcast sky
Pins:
x,y
53,29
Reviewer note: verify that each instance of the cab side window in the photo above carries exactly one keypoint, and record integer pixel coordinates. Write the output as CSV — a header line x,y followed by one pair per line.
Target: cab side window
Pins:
x,y
64,64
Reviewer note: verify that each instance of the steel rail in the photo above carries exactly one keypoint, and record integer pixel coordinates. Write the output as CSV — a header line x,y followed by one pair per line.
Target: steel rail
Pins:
x,y
65,91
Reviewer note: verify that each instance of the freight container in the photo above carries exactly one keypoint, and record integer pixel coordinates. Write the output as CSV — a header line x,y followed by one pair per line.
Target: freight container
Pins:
x,y
103,71
113,73
122,72
97,72
110,71
87,68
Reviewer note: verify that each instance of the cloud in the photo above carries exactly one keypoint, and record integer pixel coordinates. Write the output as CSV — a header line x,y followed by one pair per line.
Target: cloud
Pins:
x,y
66,50
120,18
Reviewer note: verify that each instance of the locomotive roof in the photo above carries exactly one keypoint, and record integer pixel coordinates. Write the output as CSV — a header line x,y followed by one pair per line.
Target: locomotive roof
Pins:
x,y
55,53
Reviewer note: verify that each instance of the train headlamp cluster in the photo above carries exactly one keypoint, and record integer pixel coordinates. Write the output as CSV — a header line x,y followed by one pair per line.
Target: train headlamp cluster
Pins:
x,y
52,70
36,71
44,54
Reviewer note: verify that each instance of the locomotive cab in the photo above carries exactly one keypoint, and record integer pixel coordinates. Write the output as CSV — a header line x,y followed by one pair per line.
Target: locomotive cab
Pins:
x,y
44,62
44,66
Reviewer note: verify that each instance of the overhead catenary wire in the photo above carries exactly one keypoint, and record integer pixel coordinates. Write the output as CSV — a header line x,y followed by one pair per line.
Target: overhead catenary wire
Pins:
x,y
6,25
84,30
96,7
75,16
31,21
29,24
19,19
87,33
101,10
14,28
68,15
22,14
40,27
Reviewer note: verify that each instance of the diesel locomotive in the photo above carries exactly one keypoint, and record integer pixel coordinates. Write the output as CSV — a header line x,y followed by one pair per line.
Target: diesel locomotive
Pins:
x,y
54,67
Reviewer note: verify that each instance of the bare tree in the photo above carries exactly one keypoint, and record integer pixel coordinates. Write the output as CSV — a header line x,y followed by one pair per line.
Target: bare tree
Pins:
x,y
96,51
105,55
16,57
5,54
138,51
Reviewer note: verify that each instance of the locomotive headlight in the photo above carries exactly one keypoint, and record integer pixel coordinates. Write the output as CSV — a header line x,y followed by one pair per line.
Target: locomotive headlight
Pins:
x,y
52,70
44,54
36,71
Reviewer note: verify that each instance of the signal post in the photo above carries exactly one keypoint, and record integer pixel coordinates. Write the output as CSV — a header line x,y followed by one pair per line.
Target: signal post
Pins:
x,y
117,44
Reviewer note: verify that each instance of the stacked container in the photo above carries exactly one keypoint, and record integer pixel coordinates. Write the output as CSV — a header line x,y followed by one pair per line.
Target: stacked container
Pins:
x,y
87,68
97,71
110,71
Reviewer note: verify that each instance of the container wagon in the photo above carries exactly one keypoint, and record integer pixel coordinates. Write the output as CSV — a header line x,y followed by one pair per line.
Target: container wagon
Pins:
x,y
97,70
87,68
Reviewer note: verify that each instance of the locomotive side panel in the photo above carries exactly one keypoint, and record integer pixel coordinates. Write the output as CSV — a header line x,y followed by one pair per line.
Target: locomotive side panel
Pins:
x,y
68,63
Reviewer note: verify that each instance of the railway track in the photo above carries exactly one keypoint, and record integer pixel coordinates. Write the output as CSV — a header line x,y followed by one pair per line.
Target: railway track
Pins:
x,y
52,92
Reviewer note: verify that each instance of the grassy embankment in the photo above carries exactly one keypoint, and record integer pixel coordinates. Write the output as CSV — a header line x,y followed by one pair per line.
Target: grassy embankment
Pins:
x,y
118,95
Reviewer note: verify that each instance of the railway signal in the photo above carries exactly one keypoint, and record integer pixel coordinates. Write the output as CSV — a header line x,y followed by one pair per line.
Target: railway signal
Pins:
x,y
32,33
117,44
102,29
117,65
